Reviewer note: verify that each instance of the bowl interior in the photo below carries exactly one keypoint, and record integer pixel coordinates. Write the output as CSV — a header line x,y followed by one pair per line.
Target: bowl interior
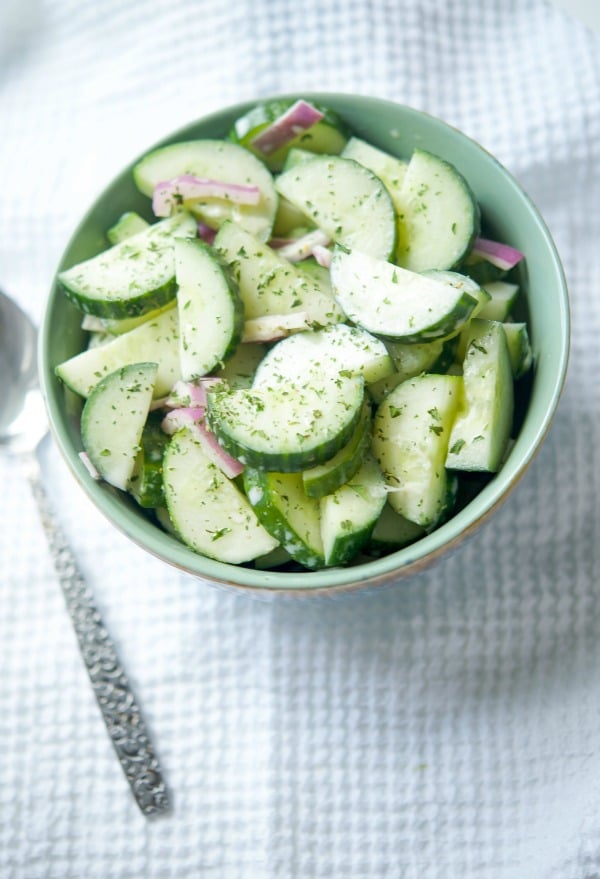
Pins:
x,y
508,214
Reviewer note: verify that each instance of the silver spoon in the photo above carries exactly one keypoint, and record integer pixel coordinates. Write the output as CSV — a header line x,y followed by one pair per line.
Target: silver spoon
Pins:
x,y
22,427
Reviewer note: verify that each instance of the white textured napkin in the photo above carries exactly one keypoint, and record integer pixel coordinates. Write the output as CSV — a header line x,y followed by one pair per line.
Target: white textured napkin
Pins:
x,y
445,727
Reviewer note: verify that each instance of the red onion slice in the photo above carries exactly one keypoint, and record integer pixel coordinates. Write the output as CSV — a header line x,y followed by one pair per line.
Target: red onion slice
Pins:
x,y
192,418
170,193
322,255
503,256
295,121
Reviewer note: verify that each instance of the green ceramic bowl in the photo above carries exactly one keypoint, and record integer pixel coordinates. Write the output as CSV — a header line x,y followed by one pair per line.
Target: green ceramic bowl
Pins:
x,y
508,215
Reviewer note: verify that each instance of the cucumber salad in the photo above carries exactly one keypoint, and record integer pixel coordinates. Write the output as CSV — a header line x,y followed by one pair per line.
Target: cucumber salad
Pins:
x,y
305,353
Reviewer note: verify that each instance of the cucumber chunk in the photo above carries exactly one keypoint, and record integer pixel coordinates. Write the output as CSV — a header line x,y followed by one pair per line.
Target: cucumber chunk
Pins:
x,y
211,313
155,340
209,513
519,348
216,160
397,303
268,283
130,278
287,513
327,136
113,419
128,224
349,515
326,478
146,483
345,200
335,349
440,217
503,297
480,434
287,428
411,430
392,532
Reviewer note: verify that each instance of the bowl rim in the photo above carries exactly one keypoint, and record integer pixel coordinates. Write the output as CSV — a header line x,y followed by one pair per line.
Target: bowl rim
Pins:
x,y
371,573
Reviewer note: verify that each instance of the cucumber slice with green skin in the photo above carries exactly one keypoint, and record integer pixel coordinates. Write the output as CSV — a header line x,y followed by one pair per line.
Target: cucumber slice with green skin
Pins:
x,y
270,284
286,428
481,430
349,515
216,160
209,513
392,532
116,327
344,199
519,348
127,225
291,517
411,429
328,477
146,483
327,352
411,360
297,156
327,136
440,217
396,303
130,278
113,419
239,370
390,170
287,219
502,300
482,271
156,340
211,313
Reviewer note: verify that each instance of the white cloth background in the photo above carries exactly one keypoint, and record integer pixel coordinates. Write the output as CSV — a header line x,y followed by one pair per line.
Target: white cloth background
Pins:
x,y
448,726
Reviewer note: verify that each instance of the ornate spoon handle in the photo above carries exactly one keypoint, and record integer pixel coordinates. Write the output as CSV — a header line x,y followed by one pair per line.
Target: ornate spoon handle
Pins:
x,y
120,711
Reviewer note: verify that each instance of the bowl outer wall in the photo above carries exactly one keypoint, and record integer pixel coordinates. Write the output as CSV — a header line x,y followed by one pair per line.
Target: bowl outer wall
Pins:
x,y
510,215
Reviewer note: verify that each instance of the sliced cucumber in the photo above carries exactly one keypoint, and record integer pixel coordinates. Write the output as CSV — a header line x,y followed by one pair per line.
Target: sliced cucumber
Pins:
x,y
411,429
209,513
239,370
287,513
117,326
156,340
502,300
146,483
270,284
481,430
133,277
127,225
481,270
330,351
390,170
113,418
345,200
327,136
413,359
349,515
296,156
397,303
217,160
287,428
392,532
519,348
440,217
326,478
211,313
